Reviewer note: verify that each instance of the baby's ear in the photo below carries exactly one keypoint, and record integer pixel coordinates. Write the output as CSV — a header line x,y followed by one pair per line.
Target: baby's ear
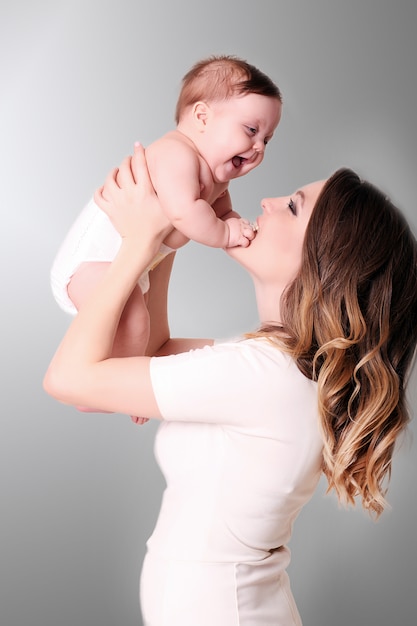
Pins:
x,y
201,112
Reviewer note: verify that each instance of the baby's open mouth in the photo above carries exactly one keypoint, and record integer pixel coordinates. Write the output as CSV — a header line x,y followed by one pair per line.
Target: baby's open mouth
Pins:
x,y
238,161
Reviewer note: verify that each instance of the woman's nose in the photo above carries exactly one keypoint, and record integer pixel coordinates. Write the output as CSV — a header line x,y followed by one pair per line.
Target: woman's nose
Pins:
x,y
270,205
266,205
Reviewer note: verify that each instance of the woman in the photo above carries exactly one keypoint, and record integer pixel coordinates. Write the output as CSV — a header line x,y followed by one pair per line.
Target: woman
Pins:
x,y
249,425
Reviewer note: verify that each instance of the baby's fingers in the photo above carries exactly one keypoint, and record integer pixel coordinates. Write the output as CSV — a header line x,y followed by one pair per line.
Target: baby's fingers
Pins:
x,y
248,231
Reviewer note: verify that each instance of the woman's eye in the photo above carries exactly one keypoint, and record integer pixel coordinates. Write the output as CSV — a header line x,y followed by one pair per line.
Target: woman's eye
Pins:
x,y
292,206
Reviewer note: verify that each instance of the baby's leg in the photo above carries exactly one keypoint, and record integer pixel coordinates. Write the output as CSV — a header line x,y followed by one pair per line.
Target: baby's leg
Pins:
x,y
132,334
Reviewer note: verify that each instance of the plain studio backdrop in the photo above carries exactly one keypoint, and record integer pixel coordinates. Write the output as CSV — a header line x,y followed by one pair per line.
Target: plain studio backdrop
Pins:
x,y
80,82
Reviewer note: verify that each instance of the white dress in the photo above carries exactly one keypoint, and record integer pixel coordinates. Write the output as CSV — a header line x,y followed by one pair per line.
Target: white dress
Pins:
x,y
240,450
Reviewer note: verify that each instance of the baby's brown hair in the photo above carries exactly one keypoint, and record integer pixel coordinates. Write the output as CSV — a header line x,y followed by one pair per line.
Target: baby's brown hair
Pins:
x,y
219,78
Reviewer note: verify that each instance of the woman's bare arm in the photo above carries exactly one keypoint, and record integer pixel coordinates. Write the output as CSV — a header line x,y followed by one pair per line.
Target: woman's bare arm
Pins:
x,y
82,371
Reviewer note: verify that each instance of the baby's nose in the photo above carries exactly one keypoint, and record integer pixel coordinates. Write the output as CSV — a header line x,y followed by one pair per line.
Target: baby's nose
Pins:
x,y
259,146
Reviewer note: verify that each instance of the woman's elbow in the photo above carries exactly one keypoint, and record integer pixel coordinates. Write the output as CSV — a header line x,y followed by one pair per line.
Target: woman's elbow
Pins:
x,y
55,385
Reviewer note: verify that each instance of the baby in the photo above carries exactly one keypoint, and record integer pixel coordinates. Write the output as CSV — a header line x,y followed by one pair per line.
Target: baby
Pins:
x,y
226,113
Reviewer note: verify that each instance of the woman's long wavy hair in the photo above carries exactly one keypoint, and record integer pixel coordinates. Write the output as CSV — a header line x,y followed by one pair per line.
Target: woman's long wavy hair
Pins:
x,y
350,322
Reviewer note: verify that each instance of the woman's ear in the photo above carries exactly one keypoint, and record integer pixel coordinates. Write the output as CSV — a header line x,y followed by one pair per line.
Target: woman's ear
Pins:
x,y
201,112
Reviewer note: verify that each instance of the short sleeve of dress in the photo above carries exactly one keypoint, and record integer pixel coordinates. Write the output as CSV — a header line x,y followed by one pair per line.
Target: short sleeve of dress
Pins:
x,y
245,383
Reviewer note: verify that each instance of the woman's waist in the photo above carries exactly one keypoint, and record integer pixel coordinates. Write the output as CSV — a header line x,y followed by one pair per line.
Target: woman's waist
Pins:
x,y
224,549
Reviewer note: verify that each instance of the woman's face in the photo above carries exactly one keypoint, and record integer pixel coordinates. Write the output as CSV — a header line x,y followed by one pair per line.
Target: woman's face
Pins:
x,y
274,256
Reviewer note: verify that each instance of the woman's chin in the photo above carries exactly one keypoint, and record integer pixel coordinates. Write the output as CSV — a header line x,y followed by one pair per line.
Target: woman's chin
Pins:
x,y
233,251
239,254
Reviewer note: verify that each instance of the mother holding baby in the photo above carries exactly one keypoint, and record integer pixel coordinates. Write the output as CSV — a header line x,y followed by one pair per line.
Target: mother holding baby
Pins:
x,y
248,426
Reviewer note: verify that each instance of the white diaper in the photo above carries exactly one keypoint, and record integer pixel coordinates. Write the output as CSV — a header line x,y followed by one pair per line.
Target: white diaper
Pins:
x,y
91,238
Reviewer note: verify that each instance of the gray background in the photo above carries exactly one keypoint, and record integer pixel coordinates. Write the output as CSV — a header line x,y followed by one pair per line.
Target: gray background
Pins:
x,y
80,81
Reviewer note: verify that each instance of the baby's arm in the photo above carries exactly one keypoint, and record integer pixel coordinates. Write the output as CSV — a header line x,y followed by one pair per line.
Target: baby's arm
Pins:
x,y
223,207
237,225
175,171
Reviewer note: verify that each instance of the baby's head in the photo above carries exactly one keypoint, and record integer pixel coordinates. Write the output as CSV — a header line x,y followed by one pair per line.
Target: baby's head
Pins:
x,y
236,107
221,78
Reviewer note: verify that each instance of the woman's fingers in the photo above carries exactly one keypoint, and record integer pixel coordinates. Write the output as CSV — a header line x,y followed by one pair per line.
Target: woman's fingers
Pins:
x,y
120,179
104,194
132,171
139,167
129,199
125,178
110,182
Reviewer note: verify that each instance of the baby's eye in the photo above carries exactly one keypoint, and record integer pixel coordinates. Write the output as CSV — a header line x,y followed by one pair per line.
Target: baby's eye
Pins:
x,y
252,130
292,207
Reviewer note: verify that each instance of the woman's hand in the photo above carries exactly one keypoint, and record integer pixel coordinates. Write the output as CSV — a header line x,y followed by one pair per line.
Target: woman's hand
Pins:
x,y
129,200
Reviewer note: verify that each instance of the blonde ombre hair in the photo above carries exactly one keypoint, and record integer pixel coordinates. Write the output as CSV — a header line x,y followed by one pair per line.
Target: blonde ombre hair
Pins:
x,y
349,320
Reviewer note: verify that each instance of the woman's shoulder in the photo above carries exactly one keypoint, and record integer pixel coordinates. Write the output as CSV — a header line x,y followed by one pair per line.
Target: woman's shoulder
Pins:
x,y
249,356
261,356
244,382
255,347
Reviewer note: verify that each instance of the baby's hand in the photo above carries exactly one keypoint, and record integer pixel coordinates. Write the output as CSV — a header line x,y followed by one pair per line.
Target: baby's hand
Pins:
x,y
241,232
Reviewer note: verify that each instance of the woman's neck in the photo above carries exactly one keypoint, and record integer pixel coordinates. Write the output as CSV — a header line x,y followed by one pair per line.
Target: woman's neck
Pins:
x,y
268,302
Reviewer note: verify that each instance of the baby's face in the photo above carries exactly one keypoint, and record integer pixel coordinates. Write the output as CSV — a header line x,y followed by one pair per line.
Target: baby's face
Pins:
x,y
237,132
